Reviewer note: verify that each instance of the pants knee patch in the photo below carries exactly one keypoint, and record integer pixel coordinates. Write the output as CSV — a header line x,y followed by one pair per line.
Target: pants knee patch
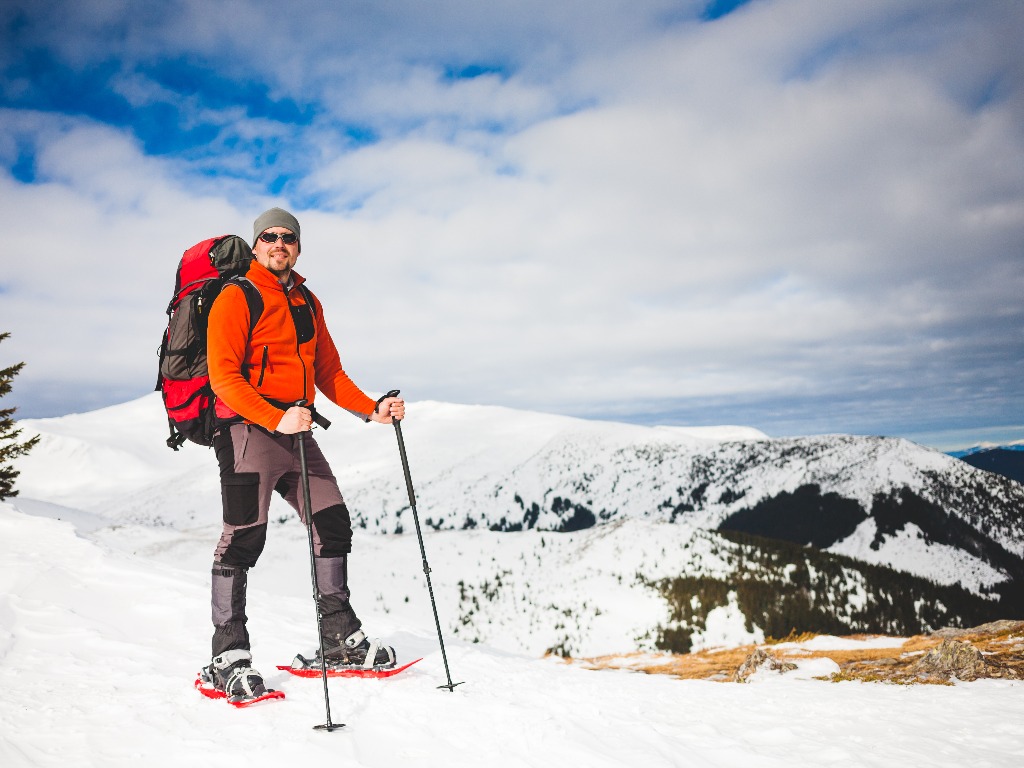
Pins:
x,y
283,487
334,529
240,492
246,546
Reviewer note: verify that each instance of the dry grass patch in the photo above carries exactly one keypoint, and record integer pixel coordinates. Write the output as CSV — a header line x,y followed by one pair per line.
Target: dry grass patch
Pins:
x,y
1000,643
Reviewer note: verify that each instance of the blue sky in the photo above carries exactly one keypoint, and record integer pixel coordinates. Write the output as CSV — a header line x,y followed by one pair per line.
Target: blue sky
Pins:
x,y
798,215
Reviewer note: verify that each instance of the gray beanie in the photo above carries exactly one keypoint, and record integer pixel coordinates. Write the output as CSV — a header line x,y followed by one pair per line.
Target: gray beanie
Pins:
x,y
275,217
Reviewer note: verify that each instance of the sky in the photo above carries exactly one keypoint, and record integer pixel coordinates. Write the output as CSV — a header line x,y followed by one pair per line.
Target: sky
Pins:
x,y
802,216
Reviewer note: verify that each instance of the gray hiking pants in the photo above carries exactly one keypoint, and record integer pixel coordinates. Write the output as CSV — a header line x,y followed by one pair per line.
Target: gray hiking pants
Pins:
x,y
254,464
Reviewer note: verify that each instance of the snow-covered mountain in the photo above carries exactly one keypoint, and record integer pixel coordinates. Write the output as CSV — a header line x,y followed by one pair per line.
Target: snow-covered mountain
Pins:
x,y
585,537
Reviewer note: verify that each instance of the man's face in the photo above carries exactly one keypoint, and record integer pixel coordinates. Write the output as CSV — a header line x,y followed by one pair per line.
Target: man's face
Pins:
x,y
277,257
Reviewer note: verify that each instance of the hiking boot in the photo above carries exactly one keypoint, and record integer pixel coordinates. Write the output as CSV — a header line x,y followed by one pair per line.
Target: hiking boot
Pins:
x,y
232,672
357,652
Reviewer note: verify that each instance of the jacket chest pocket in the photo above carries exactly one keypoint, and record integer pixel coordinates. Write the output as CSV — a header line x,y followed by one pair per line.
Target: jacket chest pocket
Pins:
x,y
302,316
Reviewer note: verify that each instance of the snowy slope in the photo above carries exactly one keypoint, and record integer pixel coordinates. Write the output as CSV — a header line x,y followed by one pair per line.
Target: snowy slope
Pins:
x,y
98,649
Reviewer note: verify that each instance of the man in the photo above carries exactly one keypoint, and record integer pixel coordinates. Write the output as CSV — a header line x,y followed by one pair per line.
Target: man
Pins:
x,y
259,374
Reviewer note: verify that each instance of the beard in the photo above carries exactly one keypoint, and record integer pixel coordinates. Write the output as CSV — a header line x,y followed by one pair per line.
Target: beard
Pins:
x,y
275,259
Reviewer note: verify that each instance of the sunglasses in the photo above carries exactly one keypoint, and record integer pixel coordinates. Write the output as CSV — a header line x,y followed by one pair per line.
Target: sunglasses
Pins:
x,y
288,238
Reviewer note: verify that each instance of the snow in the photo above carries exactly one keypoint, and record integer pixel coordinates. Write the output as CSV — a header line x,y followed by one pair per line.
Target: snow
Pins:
x,y
725,433
99,648
104,621
933,560
726,627
832,643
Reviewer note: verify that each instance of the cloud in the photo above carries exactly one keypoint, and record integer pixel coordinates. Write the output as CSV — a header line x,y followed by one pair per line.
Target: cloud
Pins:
x,y
591,208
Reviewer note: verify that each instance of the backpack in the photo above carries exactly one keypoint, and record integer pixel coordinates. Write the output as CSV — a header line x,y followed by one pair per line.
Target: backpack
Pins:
x,y
193,412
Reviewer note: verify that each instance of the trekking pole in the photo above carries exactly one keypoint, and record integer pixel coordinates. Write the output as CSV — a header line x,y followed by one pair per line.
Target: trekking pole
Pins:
x,y
308,507
423,552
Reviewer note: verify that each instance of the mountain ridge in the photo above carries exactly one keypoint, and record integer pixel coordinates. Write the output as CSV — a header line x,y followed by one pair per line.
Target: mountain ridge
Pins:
x,y
1005,461
615,510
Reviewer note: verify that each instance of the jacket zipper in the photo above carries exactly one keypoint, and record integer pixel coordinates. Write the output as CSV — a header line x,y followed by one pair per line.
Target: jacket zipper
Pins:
x,y
298,353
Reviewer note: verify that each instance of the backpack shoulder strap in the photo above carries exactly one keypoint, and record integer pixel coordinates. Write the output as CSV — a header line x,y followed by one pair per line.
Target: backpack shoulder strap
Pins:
x,y
252,298
308,298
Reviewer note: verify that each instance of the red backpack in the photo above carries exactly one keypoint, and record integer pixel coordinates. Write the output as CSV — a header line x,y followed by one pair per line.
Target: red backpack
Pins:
x,y
193,411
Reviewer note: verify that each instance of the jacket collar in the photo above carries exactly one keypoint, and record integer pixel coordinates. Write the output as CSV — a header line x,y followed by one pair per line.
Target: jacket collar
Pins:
x,y
264,278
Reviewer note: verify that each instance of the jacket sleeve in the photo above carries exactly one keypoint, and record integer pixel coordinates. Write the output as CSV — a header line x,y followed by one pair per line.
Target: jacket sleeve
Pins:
x,y
226,342
331,378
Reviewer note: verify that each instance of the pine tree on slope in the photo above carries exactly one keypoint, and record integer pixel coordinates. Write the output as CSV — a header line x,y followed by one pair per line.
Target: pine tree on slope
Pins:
x,y
10,448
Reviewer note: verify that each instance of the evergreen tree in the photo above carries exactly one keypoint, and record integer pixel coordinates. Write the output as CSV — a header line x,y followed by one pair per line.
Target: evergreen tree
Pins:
x,y
10,448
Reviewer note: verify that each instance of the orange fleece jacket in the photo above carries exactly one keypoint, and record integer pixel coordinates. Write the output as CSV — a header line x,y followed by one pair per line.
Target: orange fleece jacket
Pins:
x,y
289,370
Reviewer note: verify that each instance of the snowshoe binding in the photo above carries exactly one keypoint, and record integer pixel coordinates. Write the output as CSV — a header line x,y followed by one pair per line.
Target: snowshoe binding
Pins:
x,y
231,676
357,652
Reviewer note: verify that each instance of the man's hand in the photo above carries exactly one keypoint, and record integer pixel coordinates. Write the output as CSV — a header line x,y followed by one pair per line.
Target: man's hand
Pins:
x,y
295,419
390,409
